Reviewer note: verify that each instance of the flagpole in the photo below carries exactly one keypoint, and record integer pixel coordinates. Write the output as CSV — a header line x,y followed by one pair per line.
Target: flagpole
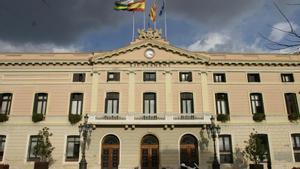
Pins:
x,y
165,21
133,23
145,20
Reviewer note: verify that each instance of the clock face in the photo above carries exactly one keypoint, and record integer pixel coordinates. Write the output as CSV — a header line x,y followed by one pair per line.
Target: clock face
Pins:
x,y
149,53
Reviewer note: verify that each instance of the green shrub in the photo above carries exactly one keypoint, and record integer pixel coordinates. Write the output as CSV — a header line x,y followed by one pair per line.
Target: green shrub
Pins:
x,y
258,117
74,118
223,117
37,117
293,116
3,117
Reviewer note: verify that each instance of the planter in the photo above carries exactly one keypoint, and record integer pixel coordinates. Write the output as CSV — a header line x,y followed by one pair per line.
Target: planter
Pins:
x,y
223,117
41,165
293,116
3,117
4,166
258,117
37,117
256,166
74,118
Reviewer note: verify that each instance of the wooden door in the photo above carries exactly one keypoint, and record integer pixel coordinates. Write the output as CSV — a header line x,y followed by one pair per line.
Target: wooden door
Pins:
x,y
149,153
110,153
189,151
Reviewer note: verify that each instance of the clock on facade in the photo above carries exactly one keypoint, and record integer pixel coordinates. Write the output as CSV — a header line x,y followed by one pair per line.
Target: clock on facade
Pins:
x,y
149,53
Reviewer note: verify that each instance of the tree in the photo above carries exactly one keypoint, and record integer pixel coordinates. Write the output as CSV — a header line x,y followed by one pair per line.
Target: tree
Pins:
x,y
43,149
291,41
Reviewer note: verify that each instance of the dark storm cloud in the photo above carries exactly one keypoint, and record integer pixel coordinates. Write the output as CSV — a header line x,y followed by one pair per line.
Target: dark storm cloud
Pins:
x,y
62,21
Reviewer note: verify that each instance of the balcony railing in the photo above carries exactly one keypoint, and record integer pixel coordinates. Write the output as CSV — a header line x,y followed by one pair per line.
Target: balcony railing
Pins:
x,y
149,119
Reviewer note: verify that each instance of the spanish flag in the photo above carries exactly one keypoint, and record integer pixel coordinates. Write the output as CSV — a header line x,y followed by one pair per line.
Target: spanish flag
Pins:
x,y
153,12
137,6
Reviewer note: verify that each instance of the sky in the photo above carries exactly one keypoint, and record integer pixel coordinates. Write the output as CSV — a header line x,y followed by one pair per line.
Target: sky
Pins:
x,y
93,25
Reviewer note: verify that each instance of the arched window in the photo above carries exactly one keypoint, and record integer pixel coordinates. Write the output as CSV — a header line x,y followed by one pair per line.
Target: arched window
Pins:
x,y
189,150
149,152
110,152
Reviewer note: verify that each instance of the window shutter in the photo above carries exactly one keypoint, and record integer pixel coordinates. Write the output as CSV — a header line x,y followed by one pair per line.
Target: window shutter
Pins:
x,y
35,103
190,77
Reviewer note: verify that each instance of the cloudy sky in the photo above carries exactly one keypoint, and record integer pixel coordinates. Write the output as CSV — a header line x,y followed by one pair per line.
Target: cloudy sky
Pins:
x,y
93,25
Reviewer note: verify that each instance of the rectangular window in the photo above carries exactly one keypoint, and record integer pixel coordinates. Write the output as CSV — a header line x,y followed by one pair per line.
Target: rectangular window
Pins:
x,y
113,76
32,143
253,77
149,76
287,77
187,103
76,103
5,103
2,145
40,103
73,148
149,103
219,77
262,140
257,105
79,77
185,76
225,148
291,103
296,146
222,105
112,103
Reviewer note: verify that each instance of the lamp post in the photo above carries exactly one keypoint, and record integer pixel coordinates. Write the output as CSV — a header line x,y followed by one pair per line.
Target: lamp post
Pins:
x,y
85,130
214,130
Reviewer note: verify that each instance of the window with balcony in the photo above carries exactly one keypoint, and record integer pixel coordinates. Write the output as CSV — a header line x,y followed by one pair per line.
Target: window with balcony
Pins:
x,y
5,103
257,105
296,146
253,77
113,76
185,76
32,143
149,103
150,76
2,145
76,103
187,103
73,148
225,148
112,103
79,77
40,103
219,77
292,105
287,77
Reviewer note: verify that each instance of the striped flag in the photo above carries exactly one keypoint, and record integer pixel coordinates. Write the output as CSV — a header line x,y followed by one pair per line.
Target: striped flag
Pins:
x,y
138,6
153,12
122,5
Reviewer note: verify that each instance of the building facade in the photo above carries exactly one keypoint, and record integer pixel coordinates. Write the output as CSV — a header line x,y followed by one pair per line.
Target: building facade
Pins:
x,y
150,103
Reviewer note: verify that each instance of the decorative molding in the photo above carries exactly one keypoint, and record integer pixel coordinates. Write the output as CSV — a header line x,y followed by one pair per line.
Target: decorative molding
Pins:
x,y
149,34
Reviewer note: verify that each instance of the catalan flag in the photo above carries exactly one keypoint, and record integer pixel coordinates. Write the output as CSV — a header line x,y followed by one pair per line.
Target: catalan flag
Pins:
x,y
153,12
138,6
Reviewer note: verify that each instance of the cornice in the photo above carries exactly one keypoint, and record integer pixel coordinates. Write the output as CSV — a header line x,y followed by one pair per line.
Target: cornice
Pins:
x,y
47,63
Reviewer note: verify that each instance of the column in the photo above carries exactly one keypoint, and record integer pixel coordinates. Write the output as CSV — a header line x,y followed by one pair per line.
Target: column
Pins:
x,y
205,93
94,92
131,91
168,87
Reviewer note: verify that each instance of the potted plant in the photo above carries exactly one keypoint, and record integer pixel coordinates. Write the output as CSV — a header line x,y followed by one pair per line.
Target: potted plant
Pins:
x,y
4,166
74,118
255,151
258,117
293,116
3,118
37,117
223,117
43,149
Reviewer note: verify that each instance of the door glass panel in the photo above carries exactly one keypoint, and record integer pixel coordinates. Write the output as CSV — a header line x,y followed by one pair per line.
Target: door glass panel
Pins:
x,y
154,158
145,158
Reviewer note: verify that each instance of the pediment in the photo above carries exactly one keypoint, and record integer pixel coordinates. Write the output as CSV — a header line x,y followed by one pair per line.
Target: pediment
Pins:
x,y
135,52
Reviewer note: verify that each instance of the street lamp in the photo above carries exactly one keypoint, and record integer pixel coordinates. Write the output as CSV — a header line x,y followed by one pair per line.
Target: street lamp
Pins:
x,y
214,130
85,130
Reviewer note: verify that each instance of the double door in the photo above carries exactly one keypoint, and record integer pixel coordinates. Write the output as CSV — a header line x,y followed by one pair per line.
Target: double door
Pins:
x,y
149,157
110,157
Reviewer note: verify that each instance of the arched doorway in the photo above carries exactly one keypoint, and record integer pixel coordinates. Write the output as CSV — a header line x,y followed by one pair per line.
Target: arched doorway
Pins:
x,y
189,150
110,152
149,152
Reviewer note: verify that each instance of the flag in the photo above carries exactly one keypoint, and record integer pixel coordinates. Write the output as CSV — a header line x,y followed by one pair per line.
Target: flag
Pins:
x,y
137,6
162,9
153,12
122,5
